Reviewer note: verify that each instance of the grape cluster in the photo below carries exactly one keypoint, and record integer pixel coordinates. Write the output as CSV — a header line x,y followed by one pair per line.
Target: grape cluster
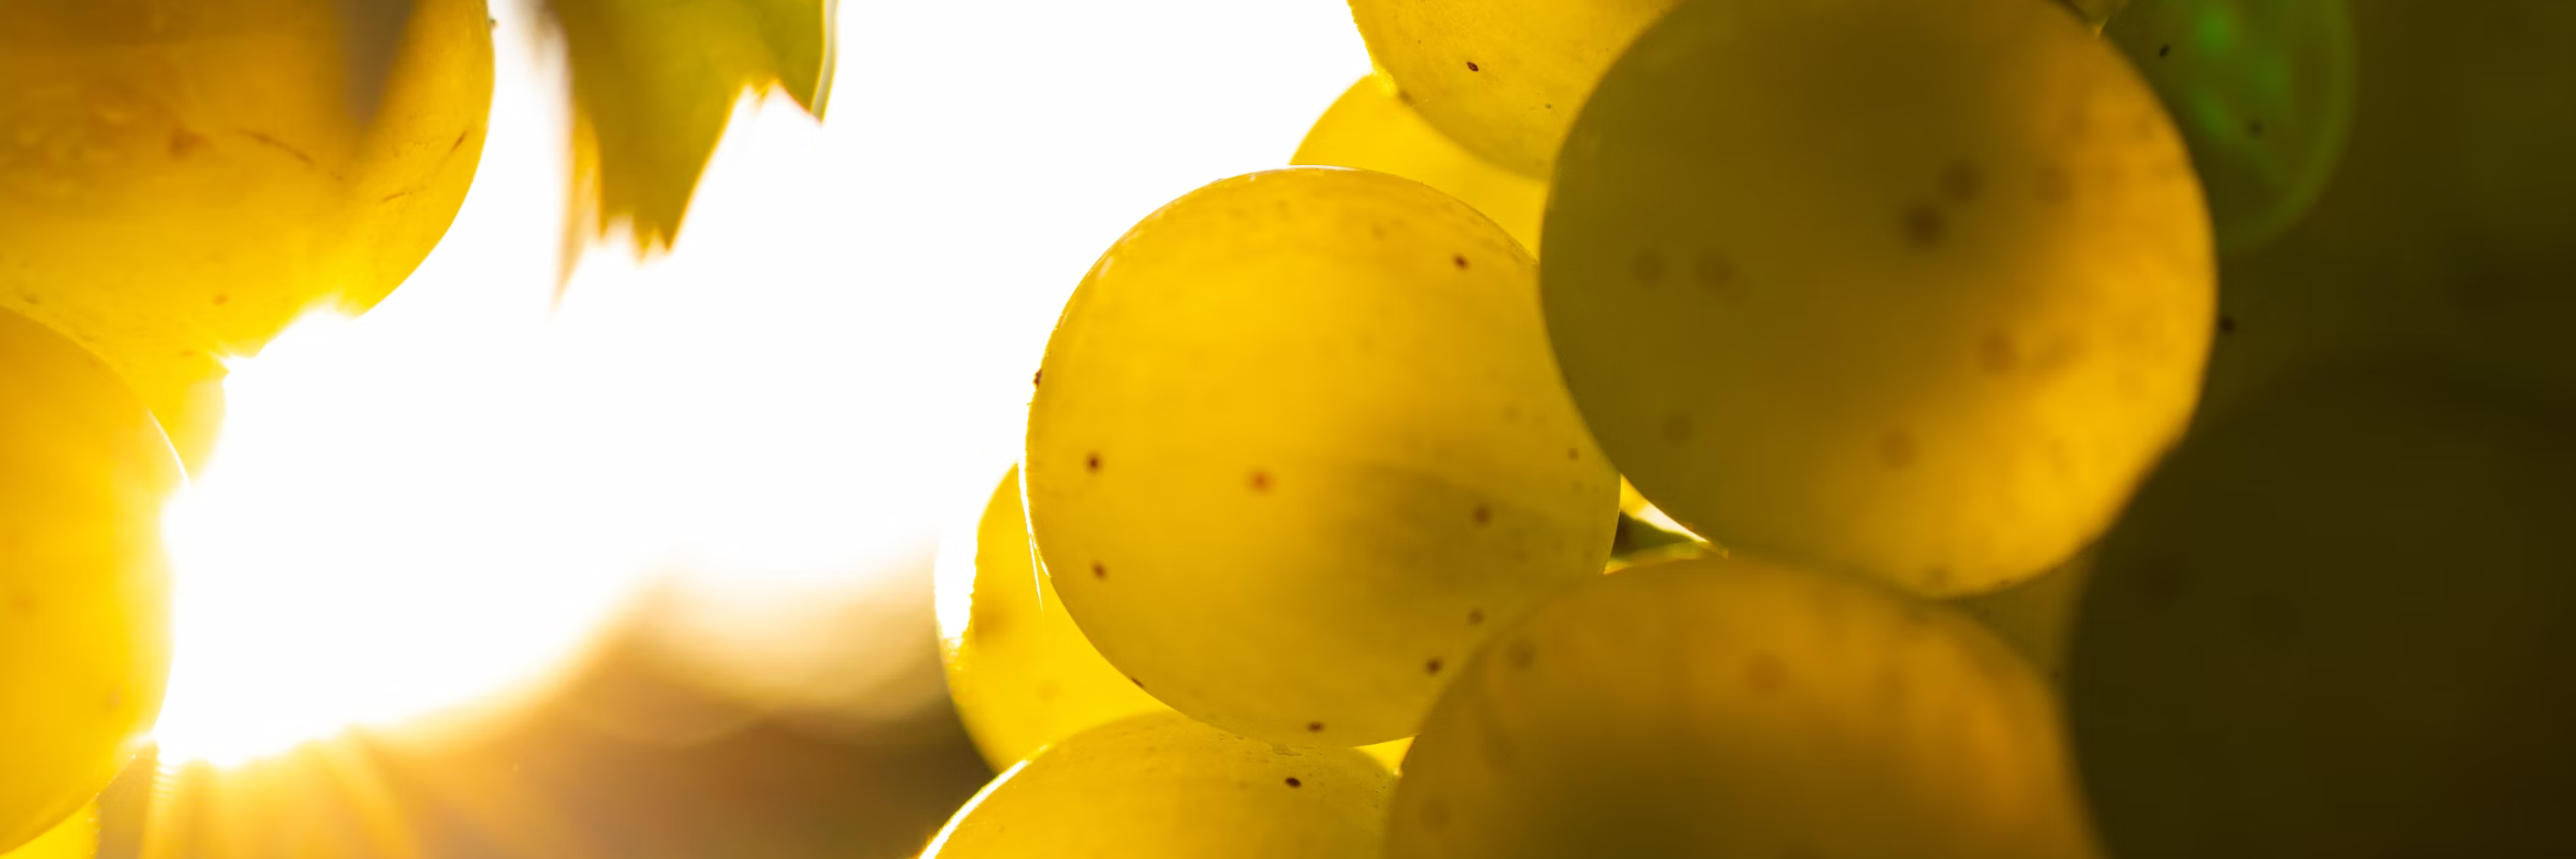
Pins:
x,y
2129,429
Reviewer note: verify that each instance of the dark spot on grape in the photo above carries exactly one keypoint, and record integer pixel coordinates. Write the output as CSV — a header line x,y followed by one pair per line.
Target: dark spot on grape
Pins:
x,y
1314,727
1471,66
2226,325
1261,481
184,143
1520,652
1714,270
1460,260
1571,454
1092,462
221,300
1100,571
2254,128
1648,268
460,140
1936,578
1997,354
1764,674
1482,514
1475,616
1034,377
2162,50
1923,226
1961,181
2053,185
23,604
1896,449
1677,428
1431,667
1293,782
1377,231
1435,814
1140,684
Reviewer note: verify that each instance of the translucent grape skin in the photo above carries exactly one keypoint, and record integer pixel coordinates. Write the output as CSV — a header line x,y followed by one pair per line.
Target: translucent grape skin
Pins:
x,y
2339,623
76,837
1297,442
1502,77
1020,671
180,180
2263,94
1926,318
1736,708
2445,228
1371,127
1160,786
84,590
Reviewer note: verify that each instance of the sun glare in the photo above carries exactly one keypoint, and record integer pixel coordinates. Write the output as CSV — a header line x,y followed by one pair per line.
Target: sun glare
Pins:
x,y
357,554
450,496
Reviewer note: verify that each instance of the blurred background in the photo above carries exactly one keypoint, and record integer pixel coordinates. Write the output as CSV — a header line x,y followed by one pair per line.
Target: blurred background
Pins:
x,y
642,568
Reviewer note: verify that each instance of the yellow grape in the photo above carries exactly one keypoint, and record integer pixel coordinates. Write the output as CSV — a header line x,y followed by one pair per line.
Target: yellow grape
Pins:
x,y
1160,786
1502,77
179,180
1021,673
84,589
1297,441
1926,315
74,838
2340,622
1019,669
1372,128
1731,708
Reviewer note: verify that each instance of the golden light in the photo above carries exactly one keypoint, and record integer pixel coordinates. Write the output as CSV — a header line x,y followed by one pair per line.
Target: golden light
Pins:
x,y
755,441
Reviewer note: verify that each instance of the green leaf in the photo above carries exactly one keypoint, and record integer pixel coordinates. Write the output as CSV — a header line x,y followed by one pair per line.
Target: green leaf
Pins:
x,y
653,83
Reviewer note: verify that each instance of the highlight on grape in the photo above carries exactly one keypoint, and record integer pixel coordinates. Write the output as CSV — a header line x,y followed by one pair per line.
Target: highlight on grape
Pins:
x,y
1287,429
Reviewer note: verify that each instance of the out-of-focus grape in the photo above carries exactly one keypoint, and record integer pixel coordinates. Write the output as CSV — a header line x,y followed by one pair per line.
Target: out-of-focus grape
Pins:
x,y
1021,672
1160,786
2096,12
1019,669
2263,94
1373,128
2340,623
1503,77
1298,444
2035,616
1735,708
178,181
2446,228
1926,317
84,588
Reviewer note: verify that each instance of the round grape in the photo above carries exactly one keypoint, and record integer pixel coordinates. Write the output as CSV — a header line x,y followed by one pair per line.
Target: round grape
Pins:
x,y
1926,317
1739,709
1298,443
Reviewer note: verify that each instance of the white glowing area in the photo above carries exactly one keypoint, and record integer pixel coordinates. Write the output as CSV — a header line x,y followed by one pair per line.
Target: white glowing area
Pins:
x,y
359,555
448,497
